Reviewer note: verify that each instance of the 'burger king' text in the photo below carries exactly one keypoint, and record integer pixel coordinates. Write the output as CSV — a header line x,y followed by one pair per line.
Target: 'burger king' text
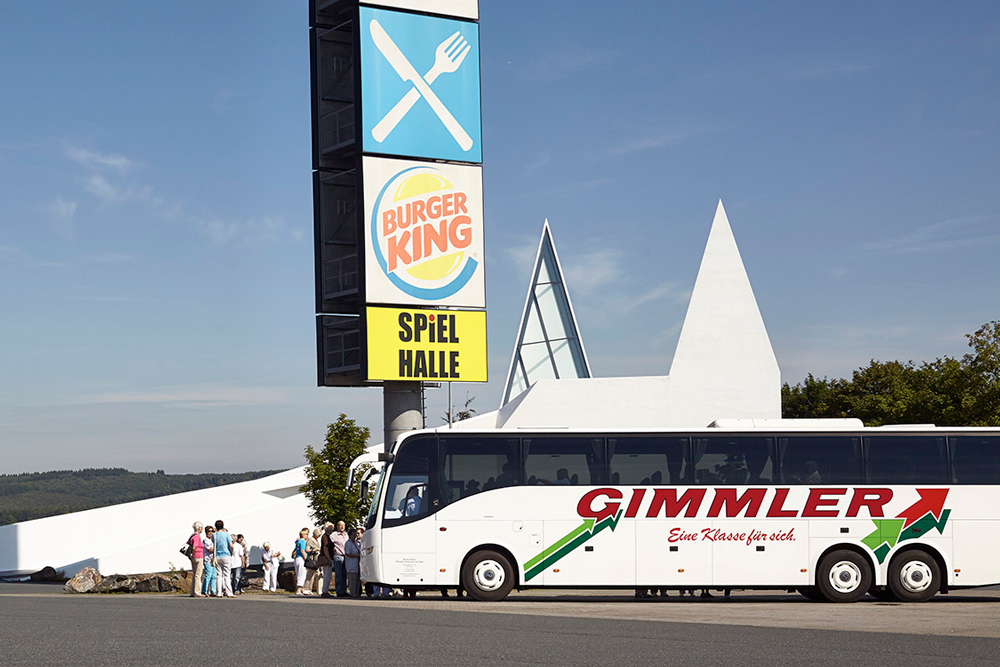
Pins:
x,y
412,230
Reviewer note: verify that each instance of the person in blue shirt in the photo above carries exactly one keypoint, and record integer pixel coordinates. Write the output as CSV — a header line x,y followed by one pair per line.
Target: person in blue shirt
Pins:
x,y
223,558
299,554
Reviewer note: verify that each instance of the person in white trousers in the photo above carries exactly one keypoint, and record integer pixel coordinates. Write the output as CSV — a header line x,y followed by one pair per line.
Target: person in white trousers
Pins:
x,y
271,560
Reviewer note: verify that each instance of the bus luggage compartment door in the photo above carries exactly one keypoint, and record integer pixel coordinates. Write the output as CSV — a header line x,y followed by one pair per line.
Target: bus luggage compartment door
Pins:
x,y
672,553
578,554
760,553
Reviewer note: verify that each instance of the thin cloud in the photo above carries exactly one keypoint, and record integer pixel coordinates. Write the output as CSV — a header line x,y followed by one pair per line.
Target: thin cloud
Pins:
x,y
573,186
965,232
98,185
586,273
653,138
561,63
222,395
109,258
98,160
222,101
522,256
253,230
61,213
807,72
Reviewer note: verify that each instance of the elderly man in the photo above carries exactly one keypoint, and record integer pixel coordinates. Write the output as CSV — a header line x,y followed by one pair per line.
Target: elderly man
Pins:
x,y
338,539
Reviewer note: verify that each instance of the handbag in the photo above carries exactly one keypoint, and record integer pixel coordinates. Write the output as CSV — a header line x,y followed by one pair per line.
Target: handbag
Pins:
x,y
323,560
312,563
187,549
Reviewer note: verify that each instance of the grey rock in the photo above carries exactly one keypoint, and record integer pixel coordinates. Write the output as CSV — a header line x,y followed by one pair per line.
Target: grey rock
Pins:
x,y
83,581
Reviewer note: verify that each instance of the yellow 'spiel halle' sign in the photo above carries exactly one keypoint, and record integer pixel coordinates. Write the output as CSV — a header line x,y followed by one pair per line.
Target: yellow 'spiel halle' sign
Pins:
x,y
439,345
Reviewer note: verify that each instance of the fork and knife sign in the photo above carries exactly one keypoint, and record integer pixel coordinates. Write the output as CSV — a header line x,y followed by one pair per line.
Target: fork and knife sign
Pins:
x,y
447,58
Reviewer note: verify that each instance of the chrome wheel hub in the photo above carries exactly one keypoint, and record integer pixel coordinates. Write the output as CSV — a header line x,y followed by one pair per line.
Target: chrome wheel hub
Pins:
x,y
845,577
915,576
488,575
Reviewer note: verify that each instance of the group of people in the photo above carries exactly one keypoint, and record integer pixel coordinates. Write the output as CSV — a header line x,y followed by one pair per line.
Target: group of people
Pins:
x,y
329,557
218,559
327,562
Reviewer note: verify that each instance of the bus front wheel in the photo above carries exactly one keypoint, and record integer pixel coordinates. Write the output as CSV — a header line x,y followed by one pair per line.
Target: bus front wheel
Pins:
x,y
843,576
487,576
914,576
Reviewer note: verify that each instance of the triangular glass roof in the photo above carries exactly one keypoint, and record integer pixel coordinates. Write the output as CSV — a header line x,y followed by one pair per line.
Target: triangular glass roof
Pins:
x,y
548,345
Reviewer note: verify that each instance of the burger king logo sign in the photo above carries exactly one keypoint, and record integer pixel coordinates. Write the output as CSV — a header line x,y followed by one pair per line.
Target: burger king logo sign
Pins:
x,y
425,233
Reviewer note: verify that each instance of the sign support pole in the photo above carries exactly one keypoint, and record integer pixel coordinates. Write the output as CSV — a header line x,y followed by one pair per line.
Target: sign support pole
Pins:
x,y
400,409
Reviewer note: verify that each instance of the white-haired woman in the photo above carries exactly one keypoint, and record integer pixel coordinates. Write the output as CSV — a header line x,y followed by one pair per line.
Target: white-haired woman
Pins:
x,y
269,557
312,558
197,559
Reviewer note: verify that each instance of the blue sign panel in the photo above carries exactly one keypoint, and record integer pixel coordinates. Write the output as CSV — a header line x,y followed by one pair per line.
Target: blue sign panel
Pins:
x,y
420,86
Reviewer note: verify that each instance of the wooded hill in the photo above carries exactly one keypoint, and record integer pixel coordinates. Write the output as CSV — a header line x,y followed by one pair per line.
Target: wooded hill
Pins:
x,y
36,495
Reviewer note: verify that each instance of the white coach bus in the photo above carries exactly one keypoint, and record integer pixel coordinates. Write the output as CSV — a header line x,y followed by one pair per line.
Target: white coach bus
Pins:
x,y
833,511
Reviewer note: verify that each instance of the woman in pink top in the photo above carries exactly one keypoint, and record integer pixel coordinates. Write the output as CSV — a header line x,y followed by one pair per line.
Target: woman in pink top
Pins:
x,y
197,564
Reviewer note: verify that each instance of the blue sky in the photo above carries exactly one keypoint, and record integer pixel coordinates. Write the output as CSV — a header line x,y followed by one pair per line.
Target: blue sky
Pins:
x,y
156,266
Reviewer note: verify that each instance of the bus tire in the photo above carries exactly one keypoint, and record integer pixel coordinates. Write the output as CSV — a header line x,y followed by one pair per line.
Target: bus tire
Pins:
x,y
843,576
914,576
487,576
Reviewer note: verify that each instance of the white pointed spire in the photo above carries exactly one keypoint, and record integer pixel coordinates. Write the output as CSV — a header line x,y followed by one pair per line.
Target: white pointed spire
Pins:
x,y
724,365
549,345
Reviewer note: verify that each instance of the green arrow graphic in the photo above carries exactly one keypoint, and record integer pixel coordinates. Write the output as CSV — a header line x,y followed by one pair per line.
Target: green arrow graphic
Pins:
x,y
924,525
886,530
587,525
568,543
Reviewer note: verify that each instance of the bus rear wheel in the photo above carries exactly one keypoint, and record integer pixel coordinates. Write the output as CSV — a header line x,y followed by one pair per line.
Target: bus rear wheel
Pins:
x,y
843,576
914,576
487,576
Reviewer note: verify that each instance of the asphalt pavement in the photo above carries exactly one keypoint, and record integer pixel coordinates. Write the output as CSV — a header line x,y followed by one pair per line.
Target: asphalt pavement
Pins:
x,y
41,626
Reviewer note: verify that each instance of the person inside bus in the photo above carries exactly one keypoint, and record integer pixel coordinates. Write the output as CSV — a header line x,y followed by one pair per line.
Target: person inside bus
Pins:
x,y
506,478
811,474
734,470
411,504
562,478
471,487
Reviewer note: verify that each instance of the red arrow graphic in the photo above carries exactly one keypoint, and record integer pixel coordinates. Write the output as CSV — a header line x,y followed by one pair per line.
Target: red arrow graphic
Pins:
x,y
931,500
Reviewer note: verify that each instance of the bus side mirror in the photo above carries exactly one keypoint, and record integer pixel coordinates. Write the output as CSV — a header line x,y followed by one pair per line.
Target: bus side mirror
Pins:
x,y
388,457
364,489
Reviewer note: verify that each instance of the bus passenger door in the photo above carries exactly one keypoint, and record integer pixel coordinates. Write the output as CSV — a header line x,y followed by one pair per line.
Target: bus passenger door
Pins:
x,y
408,538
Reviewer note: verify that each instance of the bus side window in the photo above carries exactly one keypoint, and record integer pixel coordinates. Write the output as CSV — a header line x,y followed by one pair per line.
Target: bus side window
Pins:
x,y
654,460
733,460
976,459
820,459
906,459
472,464
559,460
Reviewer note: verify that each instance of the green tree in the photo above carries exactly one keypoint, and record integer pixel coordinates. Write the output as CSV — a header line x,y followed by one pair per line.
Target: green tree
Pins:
x,y
327,471
946,391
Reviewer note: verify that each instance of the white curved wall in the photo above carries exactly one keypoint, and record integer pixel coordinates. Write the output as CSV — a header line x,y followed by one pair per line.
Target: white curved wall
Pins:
x,y
146,535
